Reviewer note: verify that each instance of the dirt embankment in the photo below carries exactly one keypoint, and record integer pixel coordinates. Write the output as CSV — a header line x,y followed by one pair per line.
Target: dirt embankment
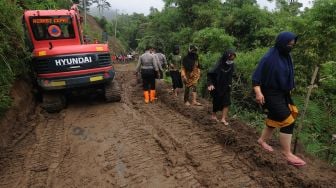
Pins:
x,y
115,46
14,124
131,144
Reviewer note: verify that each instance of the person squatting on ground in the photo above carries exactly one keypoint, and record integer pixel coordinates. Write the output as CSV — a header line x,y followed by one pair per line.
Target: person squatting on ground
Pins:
x,y
219,84
272,82
149,70
190,74
175,63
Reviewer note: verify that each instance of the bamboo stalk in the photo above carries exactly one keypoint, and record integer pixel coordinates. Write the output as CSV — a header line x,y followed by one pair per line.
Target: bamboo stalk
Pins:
x,y
305,107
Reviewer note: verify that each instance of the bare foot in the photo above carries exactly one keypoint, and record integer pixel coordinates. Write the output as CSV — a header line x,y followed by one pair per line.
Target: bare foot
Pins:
x,y
224,122
196,103
214,118
264,145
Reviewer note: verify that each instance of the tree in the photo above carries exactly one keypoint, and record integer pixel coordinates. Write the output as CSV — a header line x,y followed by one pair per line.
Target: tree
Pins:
x,y
213,40
290,6
102,22
249,24
102,5
197,13
241,3
317,44
85,3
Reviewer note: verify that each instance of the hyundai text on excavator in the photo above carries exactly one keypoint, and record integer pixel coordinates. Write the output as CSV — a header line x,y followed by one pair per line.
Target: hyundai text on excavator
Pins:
x,y
62,61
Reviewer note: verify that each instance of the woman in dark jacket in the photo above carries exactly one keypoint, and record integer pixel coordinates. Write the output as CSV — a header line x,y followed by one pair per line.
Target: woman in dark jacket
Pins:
x,y
272,82
219,85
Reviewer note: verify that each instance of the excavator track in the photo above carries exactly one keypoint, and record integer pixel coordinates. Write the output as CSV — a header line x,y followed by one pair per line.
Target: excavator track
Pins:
x,y
53,102
112,92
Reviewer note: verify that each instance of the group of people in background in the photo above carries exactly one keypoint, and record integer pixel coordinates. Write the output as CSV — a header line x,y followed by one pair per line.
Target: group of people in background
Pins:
x,y
122,58
152,64
272,83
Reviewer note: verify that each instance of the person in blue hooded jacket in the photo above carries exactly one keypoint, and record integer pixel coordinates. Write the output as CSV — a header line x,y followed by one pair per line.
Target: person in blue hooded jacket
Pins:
x,y
272,82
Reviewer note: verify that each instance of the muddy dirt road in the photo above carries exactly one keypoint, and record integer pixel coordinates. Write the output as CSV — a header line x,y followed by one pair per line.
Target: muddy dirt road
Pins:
x,y
131,144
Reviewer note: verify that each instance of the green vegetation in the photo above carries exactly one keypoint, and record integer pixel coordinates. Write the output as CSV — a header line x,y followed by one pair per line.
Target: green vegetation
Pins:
x,y
12,51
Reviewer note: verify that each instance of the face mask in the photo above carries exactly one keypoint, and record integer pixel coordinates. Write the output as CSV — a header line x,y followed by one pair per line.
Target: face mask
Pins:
x,y
229,62
289,48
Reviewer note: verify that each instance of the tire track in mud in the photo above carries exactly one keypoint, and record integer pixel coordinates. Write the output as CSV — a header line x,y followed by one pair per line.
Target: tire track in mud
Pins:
x,y
47,153
201,155
30,160
133,158
163,140
119,142
194,159
11,167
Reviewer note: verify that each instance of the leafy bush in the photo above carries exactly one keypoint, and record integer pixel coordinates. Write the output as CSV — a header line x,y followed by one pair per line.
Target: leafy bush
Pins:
x,y
328,76
317,127
207,61
12,50
213,40
246,63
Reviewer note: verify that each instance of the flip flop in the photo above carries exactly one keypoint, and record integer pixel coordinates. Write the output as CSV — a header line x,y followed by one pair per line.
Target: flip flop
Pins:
x,y
296,162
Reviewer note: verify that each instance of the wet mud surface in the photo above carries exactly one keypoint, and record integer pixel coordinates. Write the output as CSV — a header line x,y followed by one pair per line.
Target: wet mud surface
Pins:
x,y
132,144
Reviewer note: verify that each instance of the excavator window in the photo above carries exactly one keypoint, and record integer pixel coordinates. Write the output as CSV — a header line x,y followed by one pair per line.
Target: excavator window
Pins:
x,y
52,27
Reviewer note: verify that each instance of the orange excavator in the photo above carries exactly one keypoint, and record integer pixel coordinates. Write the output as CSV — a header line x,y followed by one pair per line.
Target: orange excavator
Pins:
x,y
62,61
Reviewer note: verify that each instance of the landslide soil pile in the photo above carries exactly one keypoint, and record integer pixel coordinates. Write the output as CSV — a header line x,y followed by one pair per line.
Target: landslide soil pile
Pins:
x,y
131,144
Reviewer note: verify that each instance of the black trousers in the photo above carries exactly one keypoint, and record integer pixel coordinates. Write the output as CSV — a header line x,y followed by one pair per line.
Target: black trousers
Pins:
x,y
287,130
277,106
176,79
148,80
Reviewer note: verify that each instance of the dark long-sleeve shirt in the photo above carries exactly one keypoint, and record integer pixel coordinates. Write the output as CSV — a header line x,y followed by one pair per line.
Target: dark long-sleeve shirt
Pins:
x,y
275,70
220,76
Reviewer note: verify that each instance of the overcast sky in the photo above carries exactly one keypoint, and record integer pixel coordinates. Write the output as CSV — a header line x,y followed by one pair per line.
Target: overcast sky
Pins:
x,y
138,6
143,6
